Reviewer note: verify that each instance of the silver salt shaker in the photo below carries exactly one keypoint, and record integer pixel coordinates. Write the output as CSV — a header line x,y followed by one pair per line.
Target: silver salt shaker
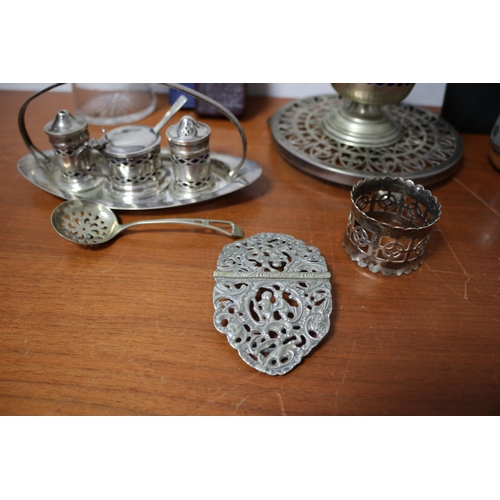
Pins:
x,y
189,144
67,134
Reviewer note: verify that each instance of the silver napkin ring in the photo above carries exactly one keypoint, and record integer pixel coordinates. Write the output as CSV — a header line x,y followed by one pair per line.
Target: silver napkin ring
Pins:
x,y
272,300
390,224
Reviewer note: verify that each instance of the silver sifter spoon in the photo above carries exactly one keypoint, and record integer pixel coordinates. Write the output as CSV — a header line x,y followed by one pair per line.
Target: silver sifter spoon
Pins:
x,y
91,223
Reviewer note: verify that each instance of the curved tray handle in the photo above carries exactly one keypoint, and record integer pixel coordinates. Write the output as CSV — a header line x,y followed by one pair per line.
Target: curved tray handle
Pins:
x,y
224,111
176,86
24,133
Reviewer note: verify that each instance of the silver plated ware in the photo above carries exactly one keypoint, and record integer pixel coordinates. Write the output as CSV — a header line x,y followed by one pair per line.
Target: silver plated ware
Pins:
x,y
131,154
362,120
49,178
189,144
390,224
272,300
91,223
427,151
68,134
138,177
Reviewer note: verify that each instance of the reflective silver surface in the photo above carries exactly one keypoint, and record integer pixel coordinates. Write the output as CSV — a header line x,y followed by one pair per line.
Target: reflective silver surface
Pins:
x,y
374,94
362,121
272,300
389,225
189,143
68,135
133,164
45,174
91,223
427,152
133,197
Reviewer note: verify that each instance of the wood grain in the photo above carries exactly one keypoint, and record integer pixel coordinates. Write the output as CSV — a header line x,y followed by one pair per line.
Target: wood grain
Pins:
x,y
126,328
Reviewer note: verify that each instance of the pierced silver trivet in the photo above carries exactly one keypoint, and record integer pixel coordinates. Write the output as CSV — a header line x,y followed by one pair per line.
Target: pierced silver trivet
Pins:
x,y
272,300
428,149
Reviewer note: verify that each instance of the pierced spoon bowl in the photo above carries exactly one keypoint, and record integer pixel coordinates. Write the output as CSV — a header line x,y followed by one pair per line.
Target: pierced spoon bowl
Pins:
x,y
91,223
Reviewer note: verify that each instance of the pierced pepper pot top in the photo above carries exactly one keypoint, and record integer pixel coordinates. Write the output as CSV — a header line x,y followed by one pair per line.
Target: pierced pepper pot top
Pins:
x,y
189,143
67,129
188,134
68,135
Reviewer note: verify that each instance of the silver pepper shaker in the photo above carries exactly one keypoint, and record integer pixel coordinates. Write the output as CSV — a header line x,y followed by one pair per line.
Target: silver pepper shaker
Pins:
x,y
67,134
189,143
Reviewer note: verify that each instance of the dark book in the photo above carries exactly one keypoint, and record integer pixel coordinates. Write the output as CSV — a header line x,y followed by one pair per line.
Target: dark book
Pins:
x,y
472,107
231,95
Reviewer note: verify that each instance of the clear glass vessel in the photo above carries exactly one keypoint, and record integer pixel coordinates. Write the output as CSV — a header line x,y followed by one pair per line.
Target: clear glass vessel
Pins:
x,y
113,103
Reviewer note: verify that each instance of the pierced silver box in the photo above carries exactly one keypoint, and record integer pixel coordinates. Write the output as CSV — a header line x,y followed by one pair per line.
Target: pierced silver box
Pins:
x,y
272,300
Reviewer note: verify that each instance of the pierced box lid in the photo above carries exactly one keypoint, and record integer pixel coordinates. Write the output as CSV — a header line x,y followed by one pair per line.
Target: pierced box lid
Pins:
x,y
272,300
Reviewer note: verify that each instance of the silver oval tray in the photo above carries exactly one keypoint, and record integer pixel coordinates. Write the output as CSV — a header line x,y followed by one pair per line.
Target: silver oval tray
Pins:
x,y
50,180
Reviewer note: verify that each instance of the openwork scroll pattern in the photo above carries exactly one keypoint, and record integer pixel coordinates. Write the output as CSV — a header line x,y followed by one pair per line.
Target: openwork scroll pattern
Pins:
x,y
404,208
427,142
268,252
369,249
272,323
389,225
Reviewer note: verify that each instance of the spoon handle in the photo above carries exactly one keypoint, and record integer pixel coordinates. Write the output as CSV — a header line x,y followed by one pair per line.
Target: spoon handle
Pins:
x,y
171,112
235,232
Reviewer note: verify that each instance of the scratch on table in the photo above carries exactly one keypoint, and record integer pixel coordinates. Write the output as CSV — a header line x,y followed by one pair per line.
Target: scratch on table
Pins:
x,y
318,359
476,196
466,296
283,412
82,261
440,271
485,314
220,394
237,407
348,362
57,407
491,241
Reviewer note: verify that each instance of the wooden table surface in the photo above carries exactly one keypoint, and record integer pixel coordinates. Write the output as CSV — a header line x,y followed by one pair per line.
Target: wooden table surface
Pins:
x,y
127,328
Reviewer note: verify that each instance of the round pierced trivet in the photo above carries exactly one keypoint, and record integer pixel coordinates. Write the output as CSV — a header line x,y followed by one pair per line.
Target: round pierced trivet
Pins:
x,y
428,149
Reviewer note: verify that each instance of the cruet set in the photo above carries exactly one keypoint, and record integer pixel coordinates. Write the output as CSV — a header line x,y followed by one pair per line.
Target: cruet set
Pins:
x,y
127,160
